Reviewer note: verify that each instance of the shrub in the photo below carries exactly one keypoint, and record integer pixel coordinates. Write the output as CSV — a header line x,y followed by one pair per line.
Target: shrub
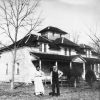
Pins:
x,y
90,77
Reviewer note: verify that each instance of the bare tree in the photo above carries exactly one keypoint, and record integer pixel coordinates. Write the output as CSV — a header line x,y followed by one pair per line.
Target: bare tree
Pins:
x,y
18,15
95,39
75,37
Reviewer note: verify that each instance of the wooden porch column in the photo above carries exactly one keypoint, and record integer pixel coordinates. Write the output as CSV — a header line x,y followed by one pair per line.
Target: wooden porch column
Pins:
x,y
91,66
95,69
56,63
99,70
70,65
84,71
40,64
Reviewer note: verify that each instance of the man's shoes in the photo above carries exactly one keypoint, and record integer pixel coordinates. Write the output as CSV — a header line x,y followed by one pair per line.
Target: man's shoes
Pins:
x,y
52,94
57,94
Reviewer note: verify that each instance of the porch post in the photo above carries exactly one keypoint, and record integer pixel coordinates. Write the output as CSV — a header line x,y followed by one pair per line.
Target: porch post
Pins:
x,y
84,71
95,69
70,65
40,64
56,63
99,70
91,66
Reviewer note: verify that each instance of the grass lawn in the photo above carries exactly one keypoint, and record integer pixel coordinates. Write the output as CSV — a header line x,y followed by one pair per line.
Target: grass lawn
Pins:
x,y
26,92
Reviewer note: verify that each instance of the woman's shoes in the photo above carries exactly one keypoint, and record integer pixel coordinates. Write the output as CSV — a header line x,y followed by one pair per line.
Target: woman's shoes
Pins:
x,y
40,94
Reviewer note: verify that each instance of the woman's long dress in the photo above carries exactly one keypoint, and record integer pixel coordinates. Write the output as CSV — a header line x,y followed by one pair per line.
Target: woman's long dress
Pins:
x,y
39,88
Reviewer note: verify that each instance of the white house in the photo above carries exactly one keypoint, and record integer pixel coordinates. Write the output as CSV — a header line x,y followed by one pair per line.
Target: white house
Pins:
x,y
50,48
24,69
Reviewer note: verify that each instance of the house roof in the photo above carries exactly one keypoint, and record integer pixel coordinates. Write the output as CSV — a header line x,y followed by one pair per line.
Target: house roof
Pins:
x,y
65,42
84,46
52,29
55,57
92,60
29,40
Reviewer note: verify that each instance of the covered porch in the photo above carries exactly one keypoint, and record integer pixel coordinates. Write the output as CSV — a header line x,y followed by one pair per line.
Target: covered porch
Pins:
x,y
64,63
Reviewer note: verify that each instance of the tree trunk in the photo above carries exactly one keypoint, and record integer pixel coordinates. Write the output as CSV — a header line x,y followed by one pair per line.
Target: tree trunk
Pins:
x,y
13,68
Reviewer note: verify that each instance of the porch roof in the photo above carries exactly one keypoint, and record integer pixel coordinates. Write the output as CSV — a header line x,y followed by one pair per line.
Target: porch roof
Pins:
x,y
92,60
45,56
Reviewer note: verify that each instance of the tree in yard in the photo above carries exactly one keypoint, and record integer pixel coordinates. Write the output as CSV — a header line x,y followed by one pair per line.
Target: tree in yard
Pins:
x,y
17,17
75,36
95,39
95,42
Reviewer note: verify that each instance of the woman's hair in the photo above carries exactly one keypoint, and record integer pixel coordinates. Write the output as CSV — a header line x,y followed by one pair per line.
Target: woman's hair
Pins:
x,y
37,66
36,63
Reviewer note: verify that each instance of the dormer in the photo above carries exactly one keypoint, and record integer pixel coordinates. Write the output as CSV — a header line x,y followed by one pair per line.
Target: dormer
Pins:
x,y
52,32
87,50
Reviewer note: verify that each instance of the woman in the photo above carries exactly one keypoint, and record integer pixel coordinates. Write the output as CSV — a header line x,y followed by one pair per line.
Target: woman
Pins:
x,y
39,88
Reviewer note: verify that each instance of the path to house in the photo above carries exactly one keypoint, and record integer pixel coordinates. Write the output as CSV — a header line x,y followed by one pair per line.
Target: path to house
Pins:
x,y
26,92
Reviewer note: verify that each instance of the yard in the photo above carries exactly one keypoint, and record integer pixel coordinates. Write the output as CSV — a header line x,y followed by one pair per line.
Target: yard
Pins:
x,y
26,92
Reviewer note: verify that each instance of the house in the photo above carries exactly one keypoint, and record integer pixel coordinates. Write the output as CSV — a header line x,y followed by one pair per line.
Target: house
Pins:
x,y
24,69
92,58
51,48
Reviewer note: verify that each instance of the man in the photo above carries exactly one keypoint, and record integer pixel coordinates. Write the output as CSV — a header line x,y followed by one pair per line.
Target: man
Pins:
x,y
55,74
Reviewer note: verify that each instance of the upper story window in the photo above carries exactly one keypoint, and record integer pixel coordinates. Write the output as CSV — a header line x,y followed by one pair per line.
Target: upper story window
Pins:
x,y
88,53
69,52
43,47
65,51
40,47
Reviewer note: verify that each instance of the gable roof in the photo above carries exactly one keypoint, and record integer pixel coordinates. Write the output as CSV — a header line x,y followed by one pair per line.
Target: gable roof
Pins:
x,y
65,42
52,29
92,60
84,46
29,41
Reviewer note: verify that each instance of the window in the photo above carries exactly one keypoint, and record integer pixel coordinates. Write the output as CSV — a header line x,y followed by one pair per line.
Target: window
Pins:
x,y
65,51
45,47
40,47
17,68
88,53
6,69
69,52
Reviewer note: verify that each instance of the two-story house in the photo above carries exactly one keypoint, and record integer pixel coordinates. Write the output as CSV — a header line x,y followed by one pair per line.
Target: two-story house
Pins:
x,y
24,68
63,53
51,48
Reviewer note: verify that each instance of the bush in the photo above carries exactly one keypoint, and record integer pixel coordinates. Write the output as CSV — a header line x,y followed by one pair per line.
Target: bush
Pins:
x,y
90,77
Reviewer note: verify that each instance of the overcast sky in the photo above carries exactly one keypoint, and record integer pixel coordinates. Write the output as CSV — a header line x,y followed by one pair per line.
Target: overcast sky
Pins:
x,y
72,16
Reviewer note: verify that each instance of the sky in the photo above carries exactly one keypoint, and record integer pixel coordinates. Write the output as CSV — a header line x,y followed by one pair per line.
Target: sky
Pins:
x,y
80,17
73,16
